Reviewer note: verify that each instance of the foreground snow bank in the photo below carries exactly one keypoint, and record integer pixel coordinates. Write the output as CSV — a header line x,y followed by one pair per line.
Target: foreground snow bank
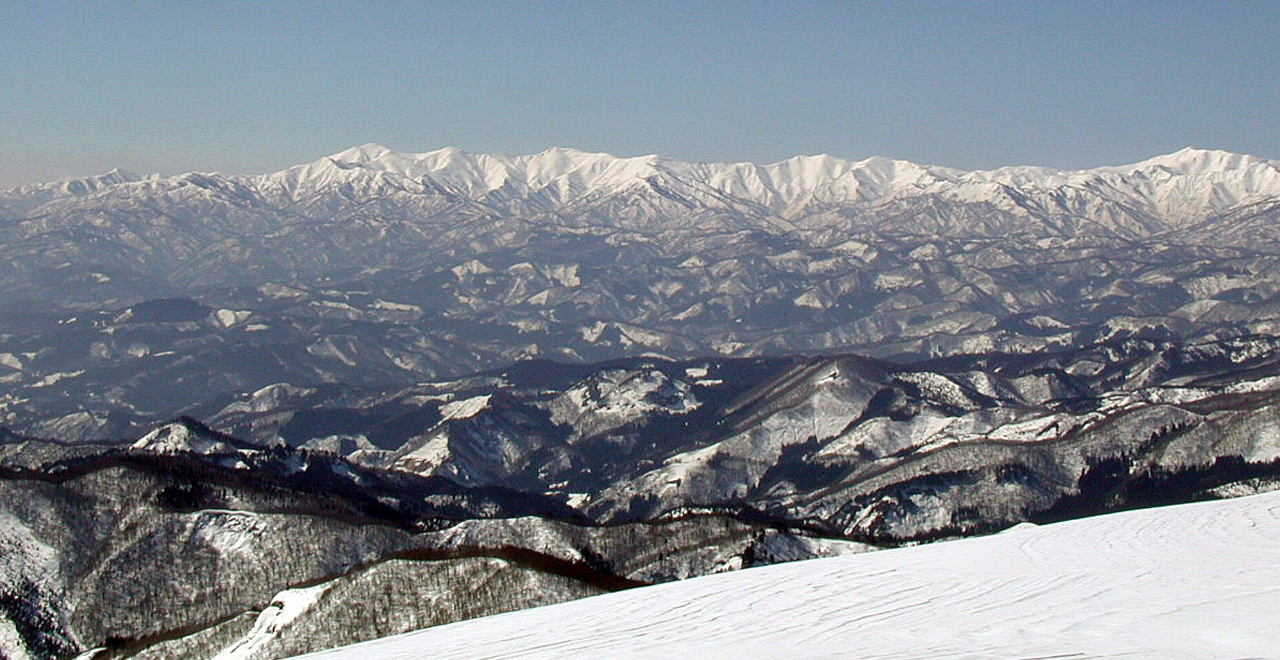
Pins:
x,y
1190,581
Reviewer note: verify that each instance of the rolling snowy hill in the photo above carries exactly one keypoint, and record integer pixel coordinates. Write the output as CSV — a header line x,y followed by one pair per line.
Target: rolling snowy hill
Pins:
x,y
1189,581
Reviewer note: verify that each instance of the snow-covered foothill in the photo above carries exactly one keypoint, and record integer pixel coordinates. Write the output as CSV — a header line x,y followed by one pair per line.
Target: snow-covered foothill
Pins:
x,y
178,437
1190,581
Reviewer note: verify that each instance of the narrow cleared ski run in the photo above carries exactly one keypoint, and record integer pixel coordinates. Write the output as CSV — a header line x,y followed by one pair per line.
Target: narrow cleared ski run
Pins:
x,y
1190,581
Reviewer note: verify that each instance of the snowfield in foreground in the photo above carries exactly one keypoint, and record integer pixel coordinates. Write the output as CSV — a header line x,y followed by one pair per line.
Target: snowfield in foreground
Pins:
x,y
1190,581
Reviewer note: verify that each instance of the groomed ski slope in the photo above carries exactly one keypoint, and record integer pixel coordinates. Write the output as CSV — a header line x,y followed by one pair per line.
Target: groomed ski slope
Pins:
x,y
1190,581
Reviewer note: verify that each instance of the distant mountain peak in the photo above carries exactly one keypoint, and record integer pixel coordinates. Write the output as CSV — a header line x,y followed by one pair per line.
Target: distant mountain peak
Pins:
x,y
1194,161
1171,190
187,435
366,151
76,185
784,183
181,435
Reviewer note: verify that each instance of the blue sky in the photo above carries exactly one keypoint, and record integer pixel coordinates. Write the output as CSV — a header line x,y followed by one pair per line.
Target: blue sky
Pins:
x,y
253,87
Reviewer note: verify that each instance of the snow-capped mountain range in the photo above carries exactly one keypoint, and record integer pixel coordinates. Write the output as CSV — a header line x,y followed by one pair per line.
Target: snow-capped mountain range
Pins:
x,y
118,237
1179,187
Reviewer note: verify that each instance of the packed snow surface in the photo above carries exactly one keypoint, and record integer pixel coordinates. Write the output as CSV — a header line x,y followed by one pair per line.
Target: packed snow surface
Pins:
x,y
1191,581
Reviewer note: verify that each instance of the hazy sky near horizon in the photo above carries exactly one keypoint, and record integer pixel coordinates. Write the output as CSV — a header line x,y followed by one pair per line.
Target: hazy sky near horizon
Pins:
x,y
247,87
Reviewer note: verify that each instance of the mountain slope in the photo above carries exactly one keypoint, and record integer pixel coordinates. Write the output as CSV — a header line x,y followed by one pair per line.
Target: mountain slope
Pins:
x,y
189,543
1191,581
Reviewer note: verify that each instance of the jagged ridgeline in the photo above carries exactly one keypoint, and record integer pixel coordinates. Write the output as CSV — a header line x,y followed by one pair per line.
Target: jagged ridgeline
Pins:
x,y
315,517
124,300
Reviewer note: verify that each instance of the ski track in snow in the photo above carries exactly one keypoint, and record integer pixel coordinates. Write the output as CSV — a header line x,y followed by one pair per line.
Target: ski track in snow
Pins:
x,y
1191,581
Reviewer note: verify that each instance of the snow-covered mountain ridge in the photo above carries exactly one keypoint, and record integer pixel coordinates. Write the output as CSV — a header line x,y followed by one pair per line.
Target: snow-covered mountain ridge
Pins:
x,y
1189,183
1191,180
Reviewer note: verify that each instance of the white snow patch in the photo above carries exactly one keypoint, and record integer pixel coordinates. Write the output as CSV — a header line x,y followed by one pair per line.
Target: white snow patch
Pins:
x,y
395,306
268,398
810,299
728,347
231,317
426,458
592,333
464,408
227,531
12,643
10,360
1046,323
52,379
275,290
540,298
1259,385
1033,430
565,274
473,267
286,607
